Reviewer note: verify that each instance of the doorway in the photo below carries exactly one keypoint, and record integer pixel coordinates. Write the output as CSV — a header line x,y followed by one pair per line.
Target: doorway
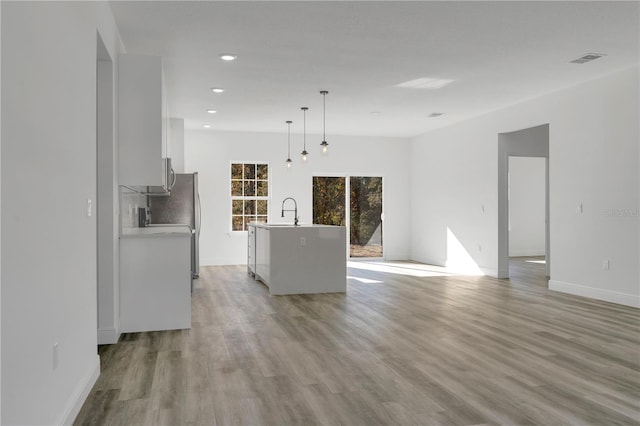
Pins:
x,y
106,201
527,218
531,142
364,216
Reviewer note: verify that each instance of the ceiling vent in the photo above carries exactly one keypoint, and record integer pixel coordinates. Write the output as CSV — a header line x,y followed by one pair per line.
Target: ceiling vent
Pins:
x,y
587,58
435,114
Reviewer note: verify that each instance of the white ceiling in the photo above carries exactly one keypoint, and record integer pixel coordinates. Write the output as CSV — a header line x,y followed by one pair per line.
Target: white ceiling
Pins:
x,y
497,53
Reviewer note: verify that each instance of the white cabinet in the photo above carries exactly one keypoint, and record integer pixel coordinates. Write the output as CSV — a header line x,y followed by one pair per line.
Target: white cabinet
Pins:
x,y
258,252
263,254
142,121
155,279
251,250
299,259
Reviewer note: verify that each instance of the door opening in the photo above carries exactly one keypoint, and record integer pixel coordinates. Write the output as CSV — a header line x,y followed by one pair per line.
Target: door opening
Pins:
x,y
527,217
531,142
364,216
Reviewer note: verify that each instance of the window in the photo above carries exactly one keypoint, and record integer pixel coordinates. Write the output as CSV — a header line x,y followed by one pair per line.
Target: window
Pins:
x,y
354,202
249,194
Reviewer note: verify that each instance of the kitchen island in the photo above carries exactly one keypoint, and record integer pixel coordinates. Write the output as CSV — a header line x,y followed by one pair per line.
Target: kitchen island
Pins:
x,y
300,259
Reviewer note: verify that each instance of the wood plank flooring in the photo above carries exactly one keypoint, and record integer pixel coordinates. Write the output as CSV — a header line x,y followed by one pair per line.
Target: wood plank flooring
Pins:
x,y
401,347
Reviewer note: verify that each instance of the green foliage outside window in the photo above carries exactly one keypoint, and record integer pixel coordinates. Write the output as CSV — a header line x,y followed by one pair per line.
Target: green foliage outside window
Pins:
x,y
366,208
249,194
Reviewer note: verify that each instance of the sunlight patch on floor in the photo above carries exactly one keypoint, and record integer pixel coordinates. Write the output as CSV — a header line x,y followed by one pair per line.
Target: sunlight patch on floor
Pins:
x,y
401,268
364,280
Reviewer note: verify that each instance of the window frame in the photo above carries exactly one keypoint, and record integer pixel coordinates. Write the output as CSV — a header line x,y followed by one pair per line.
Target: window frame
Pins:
x,y
243,197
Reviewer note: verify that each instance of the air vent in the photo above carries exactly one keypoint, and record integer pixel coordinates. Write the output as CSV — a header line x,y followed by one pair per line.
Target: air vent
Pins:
x,y
587,58
435,114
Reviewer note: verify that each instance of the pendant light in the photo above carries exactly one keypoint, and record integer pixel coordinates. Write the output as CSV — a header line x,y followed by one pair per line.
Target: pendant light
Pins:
x,y
324,144
304,152
289,144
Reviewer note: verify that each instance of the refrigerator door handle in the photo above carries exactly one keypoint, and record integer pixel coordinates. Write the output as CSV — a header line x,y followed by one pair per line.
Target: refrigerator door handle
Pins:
x,y
198,213
172,173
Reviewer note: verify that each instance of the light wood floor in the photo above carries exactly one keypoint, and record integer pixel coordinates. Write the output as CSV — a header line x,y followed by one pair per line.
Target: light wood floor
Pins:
x,y
396,349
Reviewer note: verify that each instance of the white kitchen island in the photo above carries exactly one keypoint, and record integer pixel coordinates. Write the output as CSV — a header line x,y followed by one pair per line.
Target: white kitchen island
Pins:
x,y
299,259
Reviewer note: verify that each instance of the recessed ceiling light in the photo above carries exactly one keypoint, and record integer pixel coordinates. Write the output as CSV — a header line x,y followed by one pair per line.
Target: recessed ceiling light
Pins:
x,y
588,58
435,114
211,111
217,90
206,126
425,83
228,57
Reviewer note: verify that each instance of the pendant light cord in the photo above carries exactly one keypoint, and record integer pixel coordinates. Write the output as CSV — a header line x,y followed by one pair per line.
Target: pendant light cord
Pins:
x,y
324,115
304,133
324,144
289,139
304,128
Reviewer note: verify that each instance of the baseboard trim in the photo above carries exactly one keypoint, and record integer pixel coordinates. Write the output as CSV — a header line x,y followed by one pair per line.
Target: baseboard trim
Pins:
x,y
430,261
79,396
490,272
108,336
595,293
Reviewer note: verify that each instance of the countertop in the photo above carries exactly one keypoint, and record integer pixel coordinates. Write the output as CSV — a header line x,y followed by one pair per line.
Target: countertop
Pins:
x,y
289,225
156,231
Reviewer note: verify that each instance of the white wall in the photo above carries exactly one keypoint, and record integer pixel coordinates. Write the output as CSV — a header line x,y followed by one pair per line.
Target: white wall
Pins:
x,y
176,145
526,206
48,174
593,161
0,213
210,154
454,188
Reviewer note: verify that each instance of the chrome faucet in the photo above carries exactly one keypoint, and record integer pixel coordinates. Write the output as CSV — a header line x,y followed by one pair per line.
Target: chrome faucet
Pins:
x,y
295,210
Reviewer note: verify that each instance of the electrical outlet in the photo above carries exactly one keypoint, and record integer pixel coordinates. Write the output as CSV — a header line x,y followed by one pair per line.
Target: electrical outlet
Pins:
x,y
55,356
303,241
605,264
89,207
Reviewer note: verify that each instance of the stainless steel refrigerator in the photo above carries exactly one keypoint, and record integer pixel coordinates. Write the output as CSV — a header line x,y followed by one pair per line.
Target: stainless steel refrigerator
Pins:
x,y
180,207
